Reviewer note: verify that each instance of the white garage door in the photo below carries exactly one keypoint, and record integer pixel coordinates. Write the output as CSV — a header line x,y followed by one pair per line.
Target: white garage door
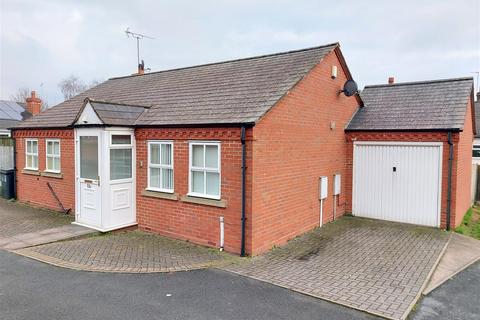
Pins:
x,y
397,181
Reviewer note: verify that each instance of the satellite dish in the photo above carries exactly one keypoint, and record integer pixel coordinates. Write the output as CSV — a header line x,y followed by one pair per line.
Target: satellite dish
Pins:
x,y
350,88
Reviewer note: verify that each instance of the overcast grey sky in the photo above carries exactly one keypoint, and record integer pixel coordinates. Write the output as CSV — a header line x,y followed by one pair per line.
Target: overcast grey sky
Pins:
x,y
46,41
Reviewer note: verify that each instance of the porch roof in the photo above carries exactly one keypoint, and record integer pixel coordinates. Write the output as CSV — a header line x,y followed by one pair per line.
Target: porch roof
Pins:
x,y
115,114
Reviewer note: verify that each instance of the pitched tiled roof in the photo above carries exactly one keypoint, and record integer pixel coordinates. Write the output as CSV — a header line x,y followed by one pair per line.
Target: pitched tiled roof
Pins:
x,y
425,105
231,92
117,114
7,124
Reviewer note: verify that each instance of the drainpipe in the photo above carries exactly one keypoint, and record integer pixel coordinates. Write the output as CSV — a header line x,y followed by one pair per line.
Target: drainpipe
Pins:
x,y
14,165
244,168
449,187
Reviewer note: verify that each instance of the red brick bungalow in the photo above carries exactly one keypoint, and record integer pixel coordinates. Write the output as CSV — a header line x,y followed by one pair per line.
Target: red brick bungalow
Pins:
x,y
227,154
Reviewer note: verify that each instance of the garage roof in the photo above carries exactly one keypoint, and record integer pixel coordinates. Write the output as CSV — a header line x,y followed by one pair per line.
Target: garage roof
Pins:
x,y
425,105
232,92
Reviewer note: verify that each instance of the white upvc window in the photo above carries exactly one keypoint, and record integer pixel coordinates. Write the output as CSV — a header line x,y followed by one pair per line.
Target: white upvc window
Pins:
x,y
160,166
53,155
204,173
121,156
31,154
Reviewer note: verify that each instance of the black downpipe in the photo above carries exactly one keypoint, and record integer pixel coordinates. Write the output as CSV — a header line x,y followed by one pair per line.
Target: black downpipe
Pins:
x,y
14,167
449,187
244,169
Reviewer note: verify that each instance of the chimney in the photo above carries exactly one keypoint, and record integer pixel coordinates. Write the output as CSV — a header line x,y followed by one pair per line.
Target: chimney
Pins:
x,y
34,104
391,80
141,68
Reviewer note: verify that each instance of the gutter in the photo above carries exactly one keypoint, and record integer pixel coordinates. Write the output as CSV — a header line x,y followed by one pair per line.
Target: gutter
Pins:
x,y
244,169
449,183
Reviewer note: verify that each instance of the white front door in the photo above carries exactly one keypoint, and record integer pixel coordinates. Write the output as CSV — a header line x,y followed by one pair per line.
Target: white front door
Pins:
x,y
398,181
88,171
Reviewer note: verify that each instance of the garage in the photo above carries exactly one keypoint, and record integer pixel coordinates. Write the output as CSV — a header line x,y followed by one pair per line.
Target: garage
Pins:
x,y
409,152
398,181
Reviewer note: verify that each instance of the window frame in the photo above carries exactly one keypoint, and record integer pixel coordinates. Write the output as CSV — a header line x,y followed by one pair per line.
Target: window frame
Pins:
x,y
27,154
160,166
205,169
59,156
128,146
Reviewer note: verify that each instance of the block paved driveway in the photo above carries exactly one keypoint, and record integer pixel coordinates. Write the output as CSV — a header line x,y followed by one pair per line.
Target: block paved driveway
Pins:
x,y
16,219
128,252
22,226
374,266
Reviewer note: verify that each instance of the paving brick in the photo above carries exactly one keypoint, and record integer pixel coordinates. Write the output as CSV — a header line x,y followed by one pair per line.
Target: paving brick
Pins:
x,y
375,266
132,251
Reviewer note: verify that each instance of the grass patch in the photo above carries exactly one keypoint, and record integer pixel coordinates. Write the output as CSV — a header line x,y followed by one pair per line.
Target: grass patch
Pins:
x,y
471,223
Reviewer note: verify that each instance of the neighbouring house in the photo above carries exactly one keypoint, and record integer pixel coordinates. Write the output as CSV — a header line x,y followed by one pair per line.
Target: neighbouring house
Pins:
x,y
11,113
476,142
409,152
227,154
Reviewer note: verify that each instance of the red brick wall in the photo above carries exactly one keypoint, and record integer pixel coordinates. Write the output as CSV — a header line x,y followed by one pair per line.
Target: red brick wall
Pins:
x,y
293,146
463,154
33,189
195,222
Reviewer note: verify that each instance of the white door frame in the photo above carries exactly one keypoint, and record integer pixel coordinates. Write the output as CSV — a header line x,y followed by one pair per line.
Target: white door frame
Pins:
x,y
107,222
403,143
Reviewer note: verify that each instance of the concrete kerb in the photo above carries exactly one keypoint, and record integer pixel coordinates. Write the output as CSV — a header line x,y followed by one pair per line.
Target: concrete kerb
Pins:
x,y
427,290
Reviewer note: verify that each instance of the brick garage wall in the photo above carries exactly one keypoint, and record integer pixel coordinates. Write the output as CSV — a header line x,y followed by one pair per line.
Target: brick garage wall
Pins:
x,y
412,137
195,222
32,189
463,156
293,146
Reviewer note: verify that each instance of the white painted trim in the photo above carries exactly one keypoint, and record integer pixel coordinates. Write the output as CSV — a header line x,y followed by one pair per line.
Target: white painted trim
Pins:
x,y
59,156
88,116
27,140
160,166
204,169
120,133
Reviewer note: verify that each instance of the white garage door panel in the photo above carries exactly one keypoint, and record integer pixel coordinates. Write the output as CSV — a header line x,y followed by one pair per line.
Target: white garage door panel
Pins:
x,y
410,194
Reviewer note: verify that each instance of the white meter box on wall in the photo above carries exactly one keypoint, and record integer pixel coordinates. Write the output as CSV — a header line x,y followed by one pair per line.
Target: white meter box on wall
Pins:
x,y
323,186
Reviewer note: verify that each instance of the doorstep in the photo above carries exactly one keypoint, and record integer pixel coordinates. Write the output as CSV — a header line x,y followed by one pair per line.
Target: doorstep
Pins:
x,y
31,239
104,230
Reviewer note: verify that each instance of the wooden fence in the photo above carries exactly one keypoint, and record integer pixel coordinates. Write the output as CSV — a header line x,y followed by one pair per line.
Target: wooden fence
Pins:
x,y
6,154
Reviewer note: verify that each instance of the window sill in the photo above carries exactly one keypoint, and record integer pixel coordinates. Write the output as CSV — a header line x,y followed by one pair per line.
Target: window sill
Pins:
x,y
204,201
160,195
31,172
57,175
